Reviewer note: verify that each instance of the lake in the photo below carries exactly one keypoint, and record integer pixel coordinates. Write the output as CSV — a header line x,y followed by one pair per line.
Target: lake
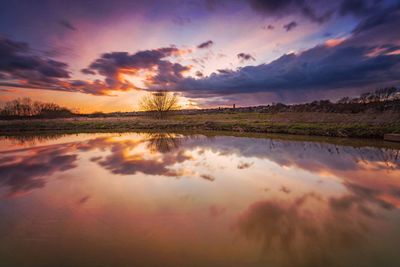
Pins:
x,y
158,199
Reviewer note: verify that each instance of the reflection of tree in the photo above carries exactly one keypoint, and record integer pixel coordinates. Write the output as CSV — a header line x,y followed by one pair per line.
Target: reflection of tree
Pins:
x,y
31,139
162,142
293,234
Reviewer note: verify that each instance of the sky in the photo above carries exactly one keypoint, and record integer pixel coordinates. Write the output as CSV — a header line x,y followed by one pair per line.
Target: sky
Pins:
x,y
106,55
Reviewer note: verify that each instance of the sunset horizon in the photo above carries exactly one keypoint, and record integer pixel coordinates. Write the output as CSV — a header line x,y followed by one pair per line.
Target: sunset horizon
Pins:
x,y
207,133
103,56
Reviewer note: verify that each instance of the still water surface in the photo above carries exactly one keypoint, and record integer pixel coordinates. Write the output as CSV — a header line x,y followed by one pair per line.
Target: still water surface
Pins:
x,y
172,200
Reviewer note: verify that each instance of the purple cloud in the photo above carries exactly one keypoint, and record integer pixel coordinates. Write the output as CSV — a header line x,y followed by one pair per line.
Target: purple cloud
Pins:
x,y
245,57
207,44
290,26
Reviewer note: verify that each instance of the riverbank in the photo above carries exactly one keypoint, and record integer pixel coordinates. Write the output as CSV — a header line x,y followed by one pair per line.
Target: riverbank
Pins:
x,y
305,123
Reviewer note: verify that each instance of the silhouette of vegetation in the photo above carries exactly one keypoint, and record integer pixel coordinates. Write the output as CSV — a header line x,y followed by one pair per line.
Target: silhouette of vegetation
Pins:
x,y
385,99
32,139
160,103
163,142
25,107
371,115
379,95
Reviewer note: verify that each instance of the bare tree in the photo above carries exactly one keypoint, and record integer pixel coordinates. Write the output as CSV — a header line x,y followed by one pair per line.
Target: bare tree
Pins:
x,y
160,102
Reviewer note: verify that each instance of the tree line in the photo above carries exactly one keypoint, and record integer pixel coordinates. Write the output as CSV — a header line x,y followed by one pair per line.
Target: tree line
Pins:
x,y
25,107
379,95
161,103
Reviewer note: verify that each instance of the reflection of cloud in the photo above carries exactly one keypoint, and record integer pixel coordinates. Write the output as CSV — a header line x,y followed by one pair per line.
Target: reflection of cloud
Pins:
x,y
83,200
244,165
285,190
26,171
125,160
293,234
354,166
207,177
166,154
216,211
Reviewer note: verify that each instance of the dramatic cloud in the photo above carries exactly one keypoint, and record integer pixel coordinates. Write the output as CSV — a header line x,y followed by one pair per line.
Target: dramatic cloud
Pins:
x,y
245,57
207,44
21,67
280,8
354,57
147,63
339,63
19,63
290,26
357,7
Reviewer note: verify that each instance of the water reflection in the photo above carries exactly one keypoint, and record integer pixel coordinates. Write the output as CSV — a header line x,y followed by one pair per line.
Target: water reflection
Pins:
x,y
162,142
220,201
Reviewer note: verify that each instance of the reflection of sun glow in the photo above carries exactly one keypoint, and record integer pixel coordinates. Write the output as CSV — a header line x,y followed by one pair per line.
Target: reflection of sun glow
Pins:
x,y
187,103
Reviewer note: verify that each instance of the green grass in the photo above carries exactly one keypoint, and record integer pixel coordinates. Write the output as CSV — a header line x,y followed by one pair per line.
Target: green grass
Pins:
x,y
319,124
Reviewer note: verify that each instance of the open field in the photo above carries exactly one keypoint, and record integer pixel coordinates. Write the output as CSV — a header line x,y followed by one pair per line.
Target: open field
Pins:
x,y
363,125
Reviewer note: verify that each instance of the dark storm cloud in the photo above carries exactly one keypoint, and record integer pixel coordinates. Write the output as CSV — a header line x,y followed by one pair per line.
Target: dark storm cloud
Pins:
x,y
358,7
290,26
110,64
387,16
287,7
368,57
245,57
18,61
68,25
88,71
21,67
207,44
318,68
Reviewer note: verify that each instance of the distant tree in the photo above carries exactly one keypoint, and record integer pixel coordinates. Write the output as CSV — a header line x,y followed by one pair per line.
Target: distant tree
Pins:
x,y
344,100
160,102
27,108
364,97
385,94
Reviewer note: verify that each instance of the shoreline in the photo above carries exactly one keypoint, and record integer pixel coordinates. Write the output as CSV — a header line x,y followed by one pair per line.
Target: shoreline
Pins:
x,y
320,124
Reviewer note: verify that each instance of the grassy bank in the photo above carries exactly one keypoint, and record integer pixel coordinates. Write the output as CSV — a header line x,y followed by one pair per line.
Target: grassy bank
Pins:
x,y
306,123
